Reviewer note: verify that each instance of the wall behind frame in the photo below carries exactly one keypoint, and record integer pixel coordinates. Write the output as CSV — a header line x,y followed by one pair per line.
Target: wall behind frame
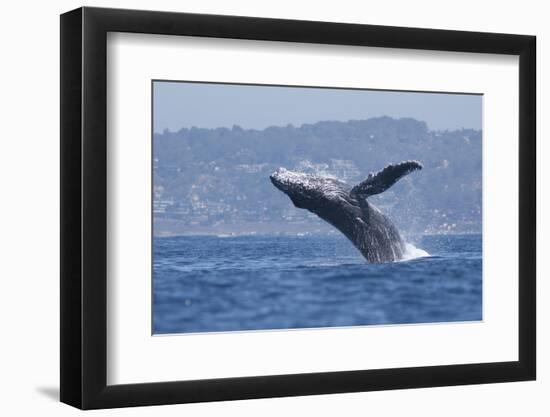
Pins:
x,y
29,214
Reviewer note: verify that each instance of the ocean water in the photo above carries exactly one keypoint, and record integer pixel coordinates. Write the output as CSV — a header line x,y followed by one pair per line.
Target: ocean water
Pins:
x,y
220,284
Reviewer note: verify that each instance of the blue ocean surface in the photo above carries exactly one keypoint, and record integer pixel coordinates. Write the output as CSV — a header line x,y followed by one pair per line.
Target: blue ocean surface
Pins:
x,y
221,284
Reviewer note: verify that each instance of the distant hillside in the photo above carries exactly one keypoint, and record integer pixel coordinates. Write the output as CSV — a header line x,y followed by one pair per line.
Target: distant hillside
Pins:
x,y
217,180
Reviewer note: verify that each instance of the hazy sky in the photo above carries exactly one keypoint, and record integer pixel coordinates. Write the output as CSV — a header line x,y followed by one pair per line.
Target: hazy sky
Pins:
x,y
184,104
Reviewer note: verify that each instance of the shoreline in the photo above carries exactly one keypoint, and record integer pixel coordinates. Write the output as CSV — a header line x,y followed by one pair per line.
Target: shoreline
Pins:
x,y
173,228
295,234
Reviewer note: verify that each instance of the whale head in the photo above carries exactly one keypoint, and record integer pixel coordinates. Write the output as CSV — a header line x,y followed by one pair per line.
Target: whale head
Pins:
x,y
309,191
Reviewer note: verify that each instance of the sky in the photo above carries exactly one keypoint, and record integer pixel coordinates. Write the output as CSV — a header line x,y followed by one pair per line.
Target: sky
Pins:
x,y
209,105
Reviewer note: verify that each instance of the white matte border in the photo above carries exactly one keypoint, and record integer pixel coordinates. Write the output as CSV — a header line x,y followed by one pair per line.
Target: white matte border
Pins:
x,y
134,356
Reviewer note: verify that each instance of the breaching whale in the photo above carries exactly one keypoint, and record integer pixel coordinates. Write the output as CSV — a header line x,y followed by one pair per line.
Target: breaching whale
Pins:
x,y
347,208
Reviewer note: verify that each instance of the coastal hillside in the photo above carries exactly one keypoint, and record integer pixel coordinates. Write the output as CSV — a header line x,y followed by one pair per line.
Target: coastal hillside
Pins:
x,y
216,181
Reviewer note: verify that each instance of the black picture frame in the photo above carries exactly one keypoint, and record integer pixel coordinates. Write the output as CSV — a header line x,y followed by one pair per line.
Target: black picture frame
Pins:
x,y
84,207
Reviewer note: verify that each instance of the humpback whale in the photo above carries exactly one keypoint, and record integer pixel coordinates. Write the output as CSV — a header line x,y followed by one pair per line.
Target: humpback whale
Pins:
x,y
347,209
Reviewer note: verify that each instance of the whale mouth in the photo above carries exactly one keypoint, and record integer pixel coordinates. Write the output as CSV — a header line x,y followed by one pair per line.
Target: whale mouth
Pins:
x,y
274,180
280,179
291,184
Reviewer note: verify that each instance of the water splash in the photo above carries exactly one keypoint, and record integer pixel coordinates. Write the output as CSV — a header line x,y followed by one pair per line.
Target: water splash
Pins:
x,y
412,252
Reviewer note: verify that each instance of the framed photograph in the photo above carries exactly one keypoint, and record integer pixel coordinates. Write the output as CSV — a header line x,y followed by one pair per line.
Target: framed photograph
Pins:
x,y
258,208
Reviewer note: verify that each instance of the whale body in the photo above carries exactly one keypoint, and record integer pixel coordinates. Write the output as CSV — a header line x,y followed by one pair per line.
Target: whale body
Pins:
x,y
347,209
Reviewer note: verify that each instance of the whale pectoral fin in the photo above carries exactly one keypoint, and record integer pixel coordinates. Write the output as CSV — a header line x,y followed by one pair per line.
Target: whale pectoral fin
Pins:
x,y
384,179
